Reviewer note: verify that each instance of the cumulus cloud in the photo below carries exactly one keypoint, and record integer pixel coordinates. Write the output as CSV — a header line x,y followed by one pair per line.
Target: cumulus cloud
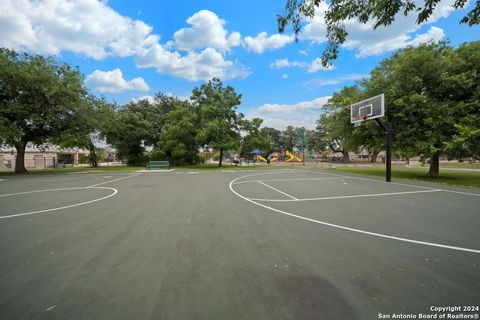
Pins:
x,y
194,66
262,42
113,82
368,48
93,29
311,67
366,41
206,31
299,114
88,27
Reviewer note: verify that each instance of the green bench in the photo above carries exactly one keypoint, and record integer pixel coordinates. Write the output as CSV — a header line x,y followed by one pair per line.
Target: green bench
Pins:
x,y
158,164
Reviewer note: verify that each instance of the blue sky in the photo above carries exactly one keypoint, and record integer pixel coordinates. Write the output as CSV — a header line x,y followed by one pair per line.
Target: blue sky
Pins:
x,y
133,49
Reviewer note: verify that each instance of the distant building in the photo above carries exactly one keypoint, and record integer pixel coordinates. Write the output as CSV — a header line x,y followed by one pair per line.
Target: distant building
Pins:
x,y
42,157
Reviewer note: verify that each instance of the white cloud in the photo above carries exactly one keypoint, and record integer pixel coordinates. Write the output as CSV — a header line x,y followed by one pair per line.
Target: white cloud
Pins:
x,y
284,76
311,67
88,27
150,99
92,29
303,52
113,82
315,29
193,67
262,42
366,41
321,82
279,116
206,32
368,48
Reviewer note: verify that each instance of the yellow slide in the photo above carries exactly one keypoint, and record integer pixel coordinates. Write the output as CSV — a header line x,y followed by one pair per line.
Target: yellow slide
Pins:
x,y
262,159
292,157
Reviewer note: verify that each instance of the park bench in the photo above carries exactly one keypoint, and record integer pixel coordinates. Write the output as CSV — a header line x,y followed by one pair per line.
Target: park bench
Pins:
x,y
158,164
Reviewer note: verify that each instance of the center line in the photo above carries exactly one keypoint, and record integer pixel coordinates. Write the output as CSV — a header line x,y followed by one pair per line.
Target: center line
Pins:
x,y
277,190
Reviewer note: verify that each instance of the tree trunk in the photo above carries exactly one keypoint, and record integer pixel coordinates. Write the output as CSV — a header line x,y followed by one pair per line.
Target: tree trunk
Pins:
x,y
374,156
434,166
346,156
93,154
20,160
221,158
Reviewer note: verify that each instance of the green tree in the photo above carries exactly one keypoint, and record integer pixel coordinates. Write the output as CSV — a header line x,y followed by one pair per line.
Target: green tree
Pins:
x,y
126,132
429,90
87,127
382,13
219,122
178,141
291,138
155,113
340,135
140,125
275,139
39,100
315,141
255,138
466,143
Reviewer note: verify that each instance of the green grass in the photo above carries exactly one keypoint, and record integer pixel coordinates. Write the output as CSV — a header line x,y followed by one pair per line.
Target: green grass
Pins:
x,y
459,178
125,169
215,167
463,165
113,169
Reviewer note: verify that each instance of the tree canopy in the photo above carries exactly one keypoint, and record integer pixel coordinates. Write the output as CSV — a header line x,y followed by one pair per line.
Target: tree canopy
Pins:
x,y
382,13
218,120
431,99
40,98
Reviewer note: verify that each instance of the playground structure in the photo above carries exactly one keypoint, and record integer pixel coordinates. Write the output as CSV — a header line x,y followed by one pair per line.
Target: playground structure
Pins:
x,y
292,157
289,157
260,158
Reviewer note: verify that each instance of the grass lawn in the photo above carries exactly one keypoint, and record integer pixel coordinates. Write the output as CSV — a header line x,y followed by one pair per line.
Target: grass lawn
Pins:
x,y
113,169
463,165
125,169
213,167
459,178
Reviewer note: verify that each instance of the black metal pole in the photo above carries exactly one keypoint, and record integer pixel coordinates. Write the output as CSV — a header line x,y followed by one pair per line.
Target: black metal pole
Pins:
x,y
389,132
388,149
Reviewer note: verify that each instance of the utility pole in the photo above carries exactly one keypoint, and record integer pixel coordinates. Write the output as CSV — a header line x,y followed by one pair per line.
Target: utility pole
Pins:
x,y
303,146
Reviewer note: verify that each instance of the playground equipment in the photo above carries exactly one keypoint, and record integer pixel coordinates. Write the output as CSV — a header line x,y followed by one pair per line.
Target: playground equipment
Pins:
x,y
275,158
260,158
292,157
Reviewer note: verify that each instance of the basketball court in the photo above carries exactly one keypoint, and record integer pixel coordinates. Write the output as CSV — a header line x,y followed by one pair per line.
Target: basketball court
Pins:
x,y
280,244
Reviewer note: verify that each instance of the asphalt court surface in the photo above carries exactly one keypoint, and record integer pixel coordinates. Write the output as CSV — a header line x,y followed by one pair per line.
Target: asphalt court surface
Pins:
x,y
289,244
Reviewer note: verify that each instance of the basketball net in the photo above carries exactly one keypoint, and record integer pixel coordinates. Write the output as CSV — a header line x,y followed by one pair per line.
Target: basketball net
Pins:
x,y
359,123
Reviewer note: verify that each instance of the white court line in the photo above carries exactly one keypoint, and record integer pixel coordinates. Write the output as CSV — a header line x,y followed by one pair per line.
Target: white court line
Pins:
x,y
380,235
372,180
294,179
347,197
102,183
398,184
58,208
459,192
277,190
